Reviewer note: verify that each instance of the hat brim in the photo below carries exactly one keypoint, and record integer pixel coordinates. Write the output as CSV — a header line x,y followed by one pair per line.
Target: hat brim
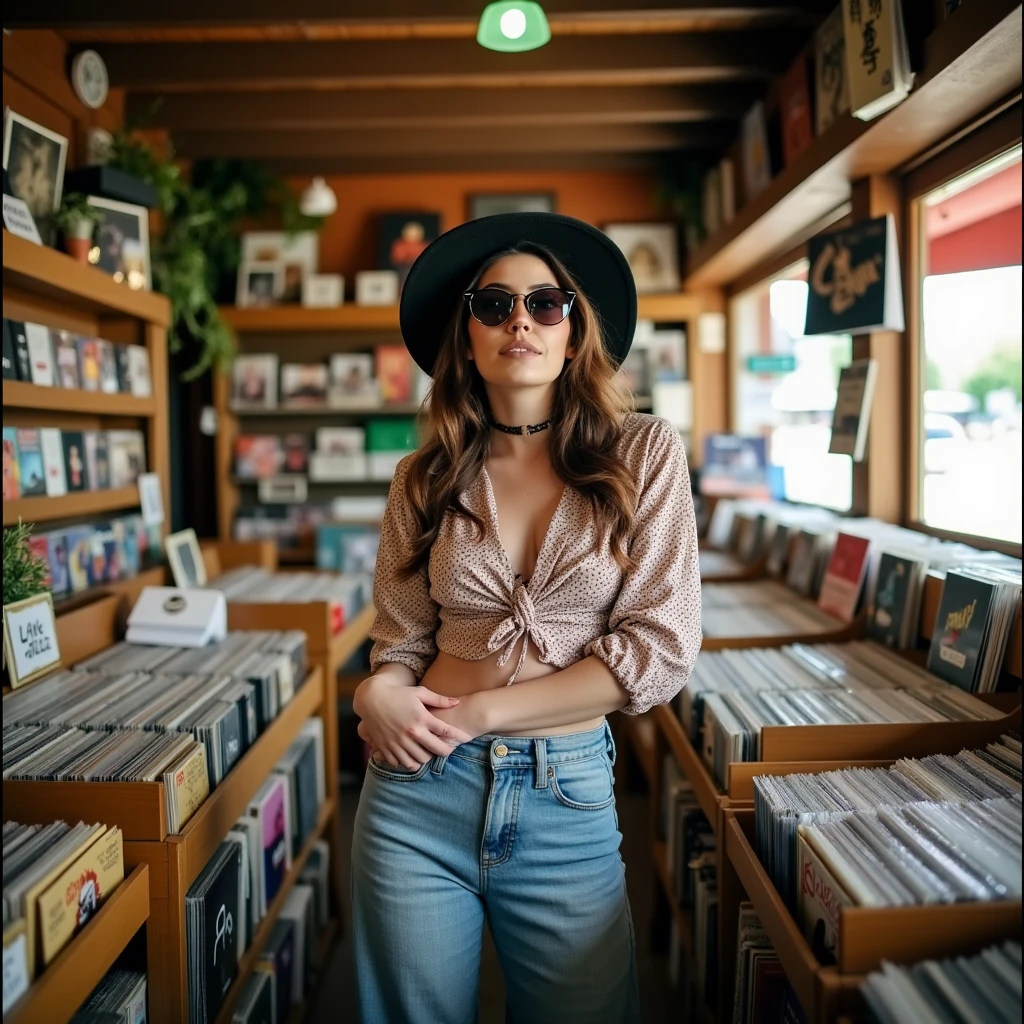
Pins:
x,y
446,268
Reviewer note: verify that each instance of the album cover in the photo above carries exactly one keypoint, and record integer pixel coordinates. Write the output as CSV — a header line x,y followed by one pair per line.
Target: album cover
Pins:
x,y
40,352
10,367
255,381
270,805
75,468
57,557
304,384
394,373
53,461
89,363
30,462
66,348
138,371
108,367
844,577
127,455
19,343
296,453
80,562
97,459
888,619
279,955
258,456
960,627
257,1003
12,467
352,380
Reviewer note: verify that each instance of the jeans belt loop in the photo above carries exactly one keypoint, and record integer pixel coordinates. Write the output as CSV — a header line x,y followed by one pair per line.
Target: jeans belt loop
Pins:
x,y
611,741
540,747
438,762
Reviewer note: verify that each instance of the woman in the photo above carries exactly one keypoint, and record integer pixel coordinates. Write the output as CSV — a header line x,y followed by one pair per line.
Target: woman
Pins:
x,y
542,536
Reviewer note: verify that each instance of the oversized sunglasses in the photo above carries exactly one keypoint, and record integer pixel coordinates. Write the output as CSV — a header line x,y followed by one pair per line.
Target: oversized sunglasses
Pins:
x,y
493,306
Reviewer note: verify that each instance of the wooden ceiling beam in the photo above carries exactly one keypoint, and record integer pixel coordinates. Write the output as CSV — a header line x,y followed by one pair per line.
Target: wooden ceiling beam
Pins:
x,y
445,63
129,14
451,142
378,108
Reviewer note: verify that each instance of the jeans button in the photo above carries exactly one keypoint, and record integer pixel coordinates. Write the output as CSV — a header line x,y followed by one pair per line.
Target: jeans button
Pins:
x,y
500,750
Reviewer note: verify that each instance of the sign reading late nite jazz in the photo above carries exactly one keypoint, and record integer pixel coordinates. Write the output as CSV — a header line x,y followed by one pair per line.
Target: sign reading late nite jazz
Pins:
x,y
854,280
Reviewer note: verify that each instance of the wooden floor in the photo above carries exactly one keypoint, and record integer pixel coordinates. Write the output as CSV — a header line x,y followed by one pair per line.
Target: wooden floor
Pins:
x,y
335,1004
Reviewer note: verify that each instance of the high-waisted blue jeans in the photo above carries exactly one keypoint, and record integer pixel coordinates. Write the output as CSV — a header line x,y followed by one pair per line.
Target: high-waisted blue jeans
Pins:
x,y
522,832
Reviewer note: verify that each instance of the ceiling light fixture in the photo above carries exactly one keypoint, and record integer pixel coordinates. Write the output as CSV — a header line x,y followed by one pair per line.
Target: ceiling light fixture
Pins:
x,y
318,199
513,26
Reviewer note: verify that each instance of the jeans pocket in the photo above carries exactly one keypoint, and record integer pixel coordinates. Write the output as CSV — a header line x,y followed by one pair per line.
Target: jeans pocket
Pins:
x,y
392,773
583,785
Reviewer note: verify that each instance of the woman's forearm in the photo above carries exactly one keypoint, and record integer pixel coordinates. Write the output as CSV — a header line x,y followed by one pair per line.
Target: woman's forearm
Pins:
x,y
584,690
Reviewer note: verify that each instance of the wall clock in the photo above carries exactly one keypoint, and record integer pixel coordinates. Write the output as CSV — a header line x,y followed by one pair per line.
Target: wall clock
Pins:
x,y
89,78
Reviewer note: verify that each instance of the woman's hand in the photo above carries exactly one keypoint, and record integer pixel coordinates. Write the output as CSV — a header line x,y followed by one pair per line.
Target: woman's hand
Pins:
x,y
398,724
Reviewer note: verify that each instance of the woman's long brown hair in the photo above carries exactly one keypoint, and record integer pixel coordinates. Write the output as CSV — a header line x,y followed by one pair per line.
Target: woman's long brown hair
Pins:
x,y
586,422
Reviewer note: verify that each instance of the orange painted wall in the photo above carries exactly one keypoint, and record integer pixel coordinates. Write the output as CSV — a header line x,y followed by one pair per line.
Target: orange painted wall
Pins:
x,y
348,241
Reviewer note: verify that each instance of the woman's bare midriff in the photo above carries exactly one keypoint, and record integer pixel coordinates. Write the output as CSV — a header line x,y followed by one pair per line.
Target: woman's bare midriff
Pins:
x,y
456,677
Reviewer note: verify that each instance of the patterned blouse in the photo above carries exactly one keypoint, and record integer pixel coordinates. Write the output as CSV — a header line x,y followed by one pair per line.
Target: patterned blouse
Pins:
x,y
643,624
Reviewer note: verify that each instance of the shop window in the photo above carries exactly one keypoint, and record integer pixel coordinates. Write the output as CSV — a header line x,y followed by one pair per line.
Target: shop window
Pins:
x,y
969,435
785,389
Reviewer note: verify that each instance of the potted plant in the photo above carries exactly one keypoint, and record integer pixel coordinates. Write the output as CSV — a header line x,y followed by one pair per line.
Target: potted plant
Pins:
x,y
77,221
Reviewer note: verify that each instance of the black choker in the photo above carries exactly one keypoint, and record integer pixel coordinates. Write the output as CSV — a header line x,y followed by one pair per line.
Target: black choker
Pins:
x,y
531,428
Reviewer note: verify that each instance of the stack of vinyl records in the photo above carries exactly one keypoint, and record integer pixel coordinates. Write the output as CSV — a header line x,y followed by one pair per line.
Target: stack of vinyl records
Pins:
x,y
120,997
761,986
351,591
973,626
258,1001
986,987
139,713
764,608
689,837
215,935
939,829
732,694
316,874
302,767
42,865
782,803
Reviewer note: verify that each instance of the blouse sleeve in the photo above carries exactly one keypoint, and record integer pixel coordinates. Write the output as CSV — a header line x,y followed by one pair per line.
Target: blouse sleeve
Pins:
x,y
655,621
406,625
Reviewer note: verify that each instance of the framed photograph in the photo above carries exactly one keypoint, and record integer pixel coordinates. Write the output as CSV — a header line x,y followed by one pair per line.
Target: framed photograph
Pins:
x,y
304,383
34,159
485,204
652,252
666,354
323,291
30,639
282,490
299,253
122,242
376,288
260,284
352,379
255,381
401,237
636,368
185,559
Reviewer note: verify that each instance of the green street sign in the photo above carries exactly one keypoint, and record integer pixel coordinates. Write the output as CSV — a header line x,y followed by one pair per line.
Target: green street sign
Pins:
x,y
771,364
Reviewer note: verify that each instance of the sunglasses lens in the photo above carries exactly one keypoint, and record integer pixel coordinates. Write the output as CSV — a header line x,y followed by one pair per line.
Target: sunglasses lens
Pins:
x,y
549,306
491,306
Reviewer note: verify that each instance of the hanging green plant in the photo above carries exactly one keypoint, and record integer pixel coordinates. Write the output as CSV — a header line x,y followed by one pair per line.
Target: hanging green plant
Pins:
x,y
24,573
197,249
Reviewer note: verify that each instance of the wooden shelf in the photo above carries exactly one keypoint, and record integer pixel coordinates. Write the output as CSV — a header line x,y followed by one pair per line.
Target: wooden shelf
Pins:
x,y
22,395
58,993
47,272
669,308
70,506
259,939
285,411
689,760
970,62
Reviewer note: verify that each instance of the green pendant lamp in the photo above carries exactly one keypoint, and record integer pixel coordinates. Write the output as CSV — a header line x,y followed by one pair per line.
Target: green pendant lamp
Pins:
x,y
513,26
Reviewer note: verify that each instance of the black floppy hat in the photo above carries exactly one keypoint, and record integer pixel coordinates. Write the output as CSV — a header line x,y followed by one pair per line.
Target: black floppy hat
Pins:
x,y
445,270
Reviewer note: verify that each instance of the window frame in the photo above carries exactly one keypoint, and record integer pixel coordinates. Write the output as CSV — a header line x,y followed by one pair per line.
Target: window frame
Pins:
x,y
999,132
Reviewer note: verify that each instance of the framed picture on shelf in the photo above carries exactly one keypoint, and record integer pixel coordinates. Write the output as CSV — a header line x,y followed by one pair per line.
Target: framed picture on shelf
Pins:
x,y
376,288
636,368
34,159
323,291
255,381
352,380
652,252
401,237
260,284
486,204
185,559
122,242
304,384
298,253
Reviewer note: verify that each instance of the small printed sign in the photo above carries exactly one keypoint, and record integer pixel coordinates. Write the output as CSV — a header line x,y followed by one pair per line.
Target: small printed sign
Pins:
x,y
18,219
30,639
771,364
151,498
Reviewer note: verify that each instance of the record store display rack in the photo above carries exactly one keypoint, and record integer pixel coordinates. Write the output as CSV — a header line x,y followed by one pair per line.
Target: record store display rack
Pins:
x,y
161,866
713,890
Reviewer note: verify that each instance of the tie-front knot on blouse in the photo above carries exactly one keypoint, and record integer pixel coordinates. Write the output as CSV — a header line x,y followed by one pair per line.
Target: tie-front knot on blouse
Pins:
x,y
644,623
